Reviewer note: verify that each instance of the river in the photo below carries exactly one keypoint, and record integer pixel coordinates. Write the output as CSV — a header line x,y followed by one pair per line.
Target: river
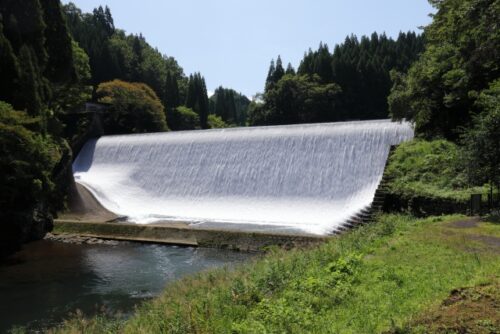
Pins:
x,y
47,281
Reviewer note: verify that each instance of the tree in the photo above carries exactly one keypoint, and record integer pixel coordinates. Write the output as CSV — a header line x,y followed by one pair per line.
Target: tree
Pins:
x,y
58,44
197,98
275,73
172,97
183,118
134,108
9,69
115,55
229,105
270,75
27,161
256,113
482,141
440,90
73,95
290,70
298,99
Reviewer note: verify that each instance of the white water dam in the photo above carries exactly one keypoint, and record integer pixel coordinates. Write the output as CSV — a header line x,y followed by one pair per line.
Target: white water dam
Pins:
x,y
307,178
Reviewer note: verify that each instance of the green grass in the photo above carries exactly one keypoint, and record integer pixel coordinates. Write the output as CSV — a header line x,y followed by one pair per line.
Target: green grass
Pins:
x,y
370,280
431,169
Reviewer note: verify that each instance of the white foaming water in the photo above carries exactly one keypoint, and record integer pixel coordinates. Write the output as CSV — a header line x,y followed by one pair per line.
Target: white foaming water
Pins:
x,y
308,178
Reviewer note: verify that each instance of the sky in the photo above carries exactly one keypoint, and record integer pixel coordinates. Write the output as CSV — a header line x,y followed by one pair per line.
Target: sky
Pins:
x,y
231,42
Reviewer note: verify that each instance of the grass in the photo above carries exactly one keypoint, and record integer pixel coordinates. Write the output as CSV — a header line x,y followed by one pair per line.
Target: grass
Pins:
x,y
373,279
430,169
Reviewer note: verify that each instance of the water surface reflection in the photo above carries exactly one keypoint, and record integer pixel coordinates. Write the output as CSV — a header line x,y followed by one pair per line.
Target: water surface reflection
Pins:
x,y
42,284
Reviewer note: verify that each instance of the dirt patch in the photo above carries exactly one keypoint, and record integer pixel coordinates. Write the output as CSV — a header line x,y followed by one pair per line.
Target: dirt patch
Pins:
x,y
492,242
474,310
466,223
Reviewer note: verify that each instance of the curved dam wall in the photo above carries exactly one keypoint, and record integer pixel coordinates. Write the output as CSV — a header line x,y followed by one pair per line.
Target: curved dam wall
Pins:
x,y
297,178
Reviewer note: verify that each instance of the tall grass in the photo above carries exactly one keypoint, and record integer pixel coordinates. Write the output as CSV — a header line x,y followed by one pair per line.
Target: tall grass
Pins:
x,y
367,281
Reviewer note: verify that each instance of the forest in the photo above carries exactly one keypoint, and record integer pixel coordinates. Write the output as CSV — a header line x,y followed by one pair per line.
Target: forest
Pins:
x,y
55,57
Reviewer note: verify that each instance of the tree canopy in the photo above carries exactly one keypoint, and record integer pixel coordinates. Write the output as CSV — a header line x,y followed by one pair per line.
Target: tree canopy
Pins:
x,y
116,55
229,105
134,108
461,59
358,71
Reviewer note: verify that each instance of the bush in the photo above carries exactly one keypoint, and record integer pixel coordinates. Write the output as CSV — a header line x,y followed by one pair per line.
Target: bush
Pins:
x,y
215,122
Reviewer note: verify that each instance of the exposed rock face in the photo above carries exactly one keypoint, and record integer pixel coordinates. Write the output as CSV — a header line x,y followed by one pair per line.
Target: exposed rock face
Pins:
x,y
78,239
41,223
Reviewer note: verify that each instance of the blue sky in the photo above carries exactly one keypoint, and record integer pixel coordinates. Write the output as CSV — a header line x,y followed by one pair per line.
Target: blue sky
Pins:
x,y
232,42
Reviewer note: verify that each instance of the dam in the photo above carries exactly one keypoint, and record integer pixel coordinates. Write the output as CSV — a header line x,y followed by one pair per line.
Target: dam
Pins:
x,y
307,178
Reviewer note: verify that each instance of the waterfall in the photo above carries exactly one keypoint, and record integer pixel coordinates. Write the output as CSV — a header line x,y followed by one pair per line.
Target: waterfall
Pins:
x,y
308,178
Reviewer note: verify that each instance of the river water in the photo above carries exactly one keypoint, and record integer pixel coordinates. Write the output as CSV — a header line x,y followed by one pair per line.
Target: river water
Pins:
x,y
47,280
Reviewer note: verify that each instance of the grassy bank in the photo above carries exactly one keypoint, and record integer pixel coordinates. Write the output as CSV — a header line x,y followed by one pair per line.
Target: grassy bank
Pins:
x,y
432,169
373,279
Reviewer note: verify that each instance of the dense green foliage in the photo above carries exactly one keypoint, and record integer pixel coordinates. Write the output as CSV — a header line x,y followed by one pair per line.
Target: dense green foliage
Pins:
x,y
42,73
26,166
183,118
298,99
433,169
452,90
216,122
354,79
134,108
116,55
461,59
197,98
230,106
36,55
482,141
367,281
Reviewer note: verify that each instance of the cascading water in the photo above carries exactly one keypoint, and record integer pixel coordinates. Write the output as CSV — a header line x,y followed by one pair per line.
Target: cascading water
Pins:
x,y
307,178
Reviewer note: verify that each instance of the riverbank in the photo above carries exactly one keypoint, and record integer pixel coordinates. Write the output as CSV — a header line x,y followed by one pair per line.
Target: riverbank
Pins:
x,y
373,279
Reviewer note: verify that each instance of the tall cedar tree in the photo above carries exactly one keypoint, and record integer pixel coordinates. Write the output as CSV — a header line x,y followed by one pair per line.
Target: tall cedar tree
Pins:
x,y
197,98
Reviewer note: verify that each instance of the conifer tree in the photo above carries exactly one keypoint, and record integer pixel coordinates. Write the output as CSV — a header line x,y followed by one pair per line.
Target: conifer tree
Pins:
x,y
59,66
270,75
231,108
290,70
220,103
172,98
279,72
197,98
9,69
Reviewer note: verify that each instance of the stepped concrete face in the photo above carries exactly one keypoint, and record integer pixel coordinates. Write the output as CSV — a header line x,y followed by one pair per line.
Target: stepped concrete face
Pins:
x,y
293,179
